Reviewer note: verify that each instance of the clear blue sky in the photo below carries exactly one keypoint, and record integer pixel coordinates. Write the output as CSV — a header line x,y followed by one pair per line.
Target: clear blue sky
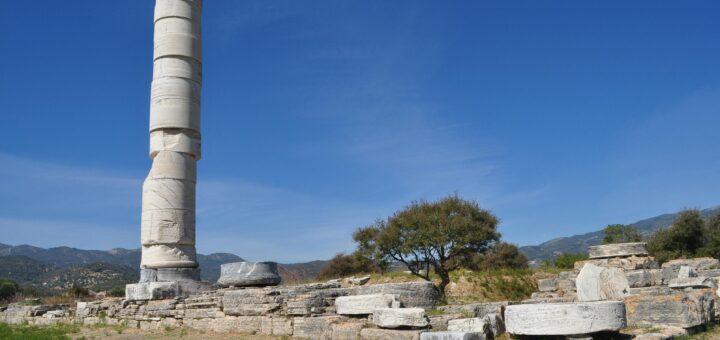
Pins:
x,y
319,117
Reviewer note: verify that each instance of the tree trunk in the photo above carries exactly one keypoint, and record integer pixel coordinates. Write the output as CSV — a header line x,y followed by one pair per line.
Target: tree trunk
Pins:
x,y
444,281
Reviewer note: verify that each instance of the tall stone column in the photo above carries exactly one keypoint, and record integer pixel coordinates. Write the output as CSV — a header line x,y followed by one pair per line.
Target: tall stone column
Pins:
x,y
168,201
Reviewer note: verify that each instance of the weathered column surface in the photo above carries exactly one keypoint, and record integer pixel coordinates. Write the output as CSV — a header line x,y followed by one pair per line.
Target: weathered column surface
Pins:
x,y
168,202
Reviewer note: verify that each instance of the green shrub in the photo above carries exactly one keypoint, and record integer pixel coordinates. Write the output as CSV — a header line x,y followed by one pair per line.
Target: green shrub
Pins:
x,y
501,255
8,289
620,233
117,292
567,261
686,237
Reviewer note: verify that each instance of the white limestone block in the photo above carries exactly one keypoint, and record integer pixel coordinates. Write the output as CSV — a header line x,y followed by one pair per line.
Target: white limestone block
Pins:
x,y
245,274
174,113
565,318
400,317
168,256
547,285
177,8
175,103
639,278
176,140
173,87
163,193
692,282
151,290
452,335
617,250
469,325
601,283
174,165
168,226
177,37
179,67
686,272
363,304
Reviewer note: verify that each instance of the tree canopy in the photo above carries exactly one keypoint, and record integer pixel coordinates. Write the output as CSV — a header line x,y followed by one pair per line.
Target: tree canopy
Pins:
x,y
441,236
688,236
621,233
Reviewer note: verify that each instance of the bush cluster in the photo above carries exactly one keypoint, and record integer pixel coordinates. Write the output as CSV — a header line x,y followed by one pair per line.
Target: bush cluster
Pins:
x,y
689,236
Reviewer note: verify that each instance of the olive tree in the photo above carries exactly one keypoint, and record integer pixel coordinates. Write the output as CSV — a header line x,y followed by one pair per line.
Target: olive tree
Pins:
x,y
441,236
620,233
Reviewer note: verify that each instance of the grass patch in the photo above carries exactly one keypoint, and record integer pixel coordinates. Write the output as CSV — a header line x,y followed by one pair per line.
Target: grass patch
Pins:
x,y
711,332
18,332
491,285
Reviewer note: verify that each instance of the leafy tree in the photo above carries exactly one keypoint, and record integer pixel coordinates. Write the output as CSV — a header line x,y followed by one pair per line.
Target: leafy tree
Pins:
x,y
567,261
685,238
441,235
8,289
344,265
367,254
621,233
501,255
712,237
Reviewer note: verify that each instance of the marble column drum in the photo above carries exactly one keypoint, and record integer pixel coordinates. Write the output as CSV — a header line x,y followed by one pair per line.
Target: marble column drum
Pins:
x,y
168,202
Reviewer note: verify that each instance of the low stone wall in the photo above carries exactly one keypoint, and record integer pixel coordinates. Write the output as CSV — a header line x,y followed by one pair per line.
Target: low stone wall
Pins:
x,y
303,311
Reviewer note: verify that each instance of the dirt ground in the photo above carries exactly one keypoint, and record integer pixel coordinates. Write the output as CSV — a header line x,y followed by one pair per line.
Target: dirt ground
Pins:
x,y
137,334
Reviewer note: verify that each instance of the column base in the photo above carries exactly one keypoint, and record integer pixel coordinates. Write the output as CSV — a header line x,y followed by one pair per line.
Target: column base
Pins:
x,y
169,274
166,283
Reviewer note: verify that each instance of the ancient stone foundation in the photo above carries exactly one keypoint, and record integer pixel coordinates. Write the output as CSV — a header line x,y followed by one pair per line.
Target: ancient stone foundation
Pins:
x,y
626,296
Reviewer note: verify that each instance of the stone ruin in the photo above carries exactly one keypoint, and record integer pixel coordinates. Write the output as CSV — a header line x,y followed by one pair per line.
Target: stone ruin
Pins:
x,y
620,288
619,293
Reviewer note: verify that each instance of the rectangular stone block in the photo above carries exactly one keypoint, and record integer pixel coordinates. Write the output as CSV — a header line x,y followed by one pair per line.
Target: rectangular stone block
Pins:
x,y
400,317
151,291
389,334
476,309
469,325
315,327
204,313
566,285
701,263
547,285
617,250
452,336
347,330
663,307
251,302
363,304
410,294
639,278
565,318
692,282
232,324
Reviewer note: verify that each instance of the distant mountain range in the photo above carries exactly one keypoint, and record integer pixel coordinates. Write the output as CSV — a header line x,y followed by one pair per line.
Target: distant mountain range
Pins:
x,y
580,243
53,270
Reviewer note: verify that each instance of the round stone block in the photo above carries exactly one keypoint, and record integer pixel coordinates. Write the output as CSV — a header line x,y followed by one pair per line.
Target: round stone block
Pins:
x,y
179,67
187,9
565,318
177,37
168,256
243,274
173,165
176,140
